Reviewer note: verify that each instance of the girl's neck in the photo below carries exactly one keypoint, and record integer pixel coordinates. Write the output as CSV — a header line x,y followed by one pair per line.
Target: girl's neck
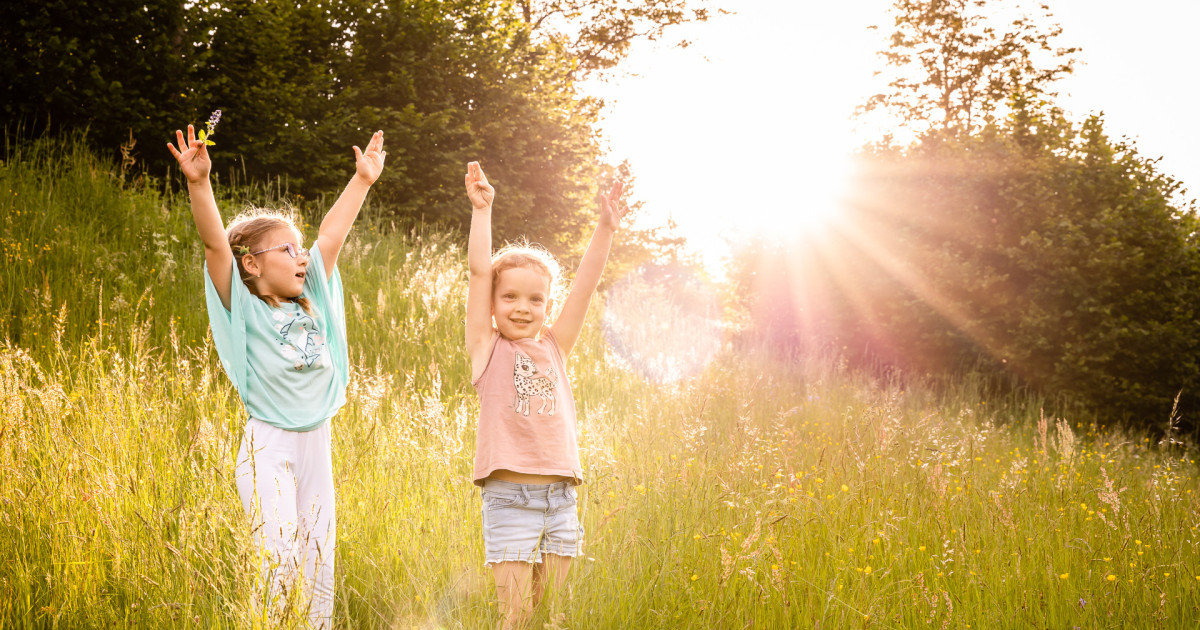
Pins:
x,y
533,338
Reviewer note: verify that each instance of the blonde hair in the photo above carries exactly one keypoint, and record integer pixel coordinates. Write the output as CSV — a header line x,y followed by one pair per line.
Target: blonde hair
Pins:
x,y
245,234
529,256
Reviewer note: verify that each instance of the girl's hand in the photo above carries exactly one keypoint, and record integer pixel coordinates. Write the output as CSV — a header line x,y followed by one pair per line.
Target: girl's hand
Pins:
x,y
192,157
369,165
478,188
611,208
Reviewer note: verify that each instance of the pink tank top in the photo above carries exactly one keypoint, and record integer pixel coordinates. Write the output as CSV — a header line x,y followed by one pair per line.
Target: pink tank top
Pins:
x,y
526,411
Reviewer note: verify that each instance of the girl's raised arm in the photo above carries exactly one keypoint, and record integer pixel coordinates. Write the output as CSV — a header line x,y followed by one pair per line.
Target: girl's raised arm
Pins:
x,y
194,162
336,224
479,262
570,321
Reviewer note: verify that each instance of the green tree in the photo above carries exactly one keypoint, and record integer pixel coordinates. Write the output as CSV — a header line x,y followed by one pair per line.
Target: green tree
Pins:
x,y
457,81
275,70
597,34
113,67
1042,250
951,69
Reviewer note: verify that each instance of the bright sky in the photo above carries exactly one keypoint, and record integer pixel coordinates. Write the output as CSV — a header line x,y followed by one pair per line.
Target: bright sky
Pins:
x,y
747,127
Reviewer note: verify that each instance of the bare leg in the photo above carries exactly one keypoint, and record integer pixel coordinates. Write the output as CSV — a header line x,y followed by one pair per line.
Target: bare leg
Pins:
x,y
553,571
513,590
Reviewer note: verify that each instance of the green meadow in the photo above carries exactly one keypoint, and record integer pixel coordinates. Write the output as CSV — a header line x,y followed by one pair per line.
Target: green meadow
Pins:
x,y
755,494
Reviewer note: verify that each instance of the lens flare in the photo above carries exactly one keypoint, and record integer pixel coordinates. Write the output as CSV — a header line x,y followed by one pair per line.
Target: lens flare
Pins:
x,y
663,321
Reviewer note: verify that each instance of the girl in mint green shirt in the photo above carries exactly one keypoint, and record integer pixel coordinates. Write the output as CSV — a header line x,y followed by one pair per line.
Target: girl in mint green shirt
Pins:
x,y
278,323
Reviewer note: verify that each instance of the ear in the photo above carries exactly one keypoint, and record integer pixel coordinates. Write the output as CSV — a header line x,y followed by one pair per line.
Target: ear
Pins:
x,y
250,264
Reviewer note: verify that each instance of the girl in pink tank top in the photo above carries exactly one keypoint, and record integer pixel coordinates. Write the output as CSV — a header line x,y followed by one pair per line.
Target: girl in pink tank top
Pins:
x,y
526,453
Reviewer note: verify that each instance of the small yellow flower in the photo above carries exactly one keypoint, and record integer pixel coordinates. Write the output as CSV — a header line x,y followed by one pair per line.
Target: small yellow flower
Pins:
x,y
1111,578
1064,576
695,577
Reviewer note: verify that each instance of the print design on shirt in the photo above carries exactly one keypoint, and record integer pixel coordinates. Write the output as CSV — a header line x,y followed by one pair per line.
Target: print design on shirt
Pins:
x,y
302,341
530,384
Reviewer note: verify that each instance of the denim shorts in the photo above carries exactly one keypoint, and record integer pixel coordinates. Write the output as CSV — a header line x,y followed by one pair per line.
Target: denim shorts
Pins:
x,y
523,521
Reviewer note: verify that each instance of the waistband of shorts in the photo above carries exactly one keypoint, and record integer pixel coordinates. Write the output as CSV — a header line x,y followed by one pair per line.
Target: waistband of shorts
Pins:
x,y
558,487
304,429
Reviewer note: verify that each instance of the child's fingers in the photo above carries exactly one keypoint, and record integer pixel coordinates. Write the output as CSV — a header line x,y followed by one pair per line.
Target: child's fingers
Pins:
x,y
174,151
617,188
179,140
191,135
357,153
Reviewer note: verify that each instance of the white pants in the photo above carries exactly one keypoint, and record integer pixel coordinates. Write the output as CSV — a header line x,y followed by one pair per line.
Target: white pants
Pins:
x,y
285,480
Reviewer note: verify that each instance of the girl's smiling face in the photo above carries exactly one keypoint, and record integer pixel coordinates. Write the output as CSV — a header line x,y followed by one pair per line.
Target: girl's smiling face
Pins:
x,y
520,302
279,274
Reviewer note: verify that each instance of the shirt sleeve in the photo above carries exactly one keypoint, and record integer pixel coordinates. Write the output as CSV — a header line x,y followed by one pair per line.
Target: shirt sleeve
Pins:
x,y
228,326
554,342
330,304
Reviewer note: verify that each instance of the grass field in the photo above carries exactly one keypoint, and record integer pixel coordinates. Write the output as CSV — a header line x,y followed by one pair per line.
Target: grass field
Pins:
x,y
756,494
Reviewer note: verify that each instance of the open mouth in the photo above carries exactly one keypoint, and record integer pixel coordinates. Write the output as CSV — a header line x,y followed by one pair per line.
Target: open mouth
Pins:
x,y
300,275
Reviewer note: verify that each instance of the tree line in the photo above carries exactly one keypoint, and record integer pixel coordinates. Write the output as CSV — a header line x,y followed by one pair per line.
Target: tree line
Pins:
x,y
299,83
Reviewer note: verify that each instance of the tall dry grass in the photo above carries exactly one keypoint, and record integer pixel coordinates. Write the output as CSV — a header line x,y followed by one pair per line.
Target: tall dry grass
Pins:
x,y
754,494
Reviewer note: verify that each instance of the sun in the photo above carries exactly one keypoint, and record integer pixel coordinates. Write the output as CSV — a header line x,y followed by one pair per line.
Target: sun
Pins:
x,y
750,130
810,200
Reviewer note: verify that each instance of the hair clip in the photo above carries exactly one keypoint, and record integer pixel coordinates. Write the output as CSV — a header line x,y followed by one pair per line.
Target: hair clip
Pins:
x,y
240,250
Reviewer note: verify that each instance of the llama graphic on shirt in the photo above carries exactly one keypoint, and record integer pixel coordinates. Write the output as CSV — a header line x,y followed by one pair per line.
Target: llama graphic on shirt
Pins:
x,y
529,383
302,341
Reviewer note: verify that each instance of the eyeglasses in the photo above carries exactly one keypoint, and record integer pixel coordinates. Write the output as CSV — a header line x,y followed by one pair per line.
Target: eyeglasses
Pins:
x,y
292,250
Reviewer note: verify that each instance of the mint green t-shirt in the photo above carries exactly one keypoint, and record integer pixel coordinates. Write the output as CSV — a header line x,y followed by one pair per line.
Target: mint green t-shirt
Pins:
x,y
289,367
